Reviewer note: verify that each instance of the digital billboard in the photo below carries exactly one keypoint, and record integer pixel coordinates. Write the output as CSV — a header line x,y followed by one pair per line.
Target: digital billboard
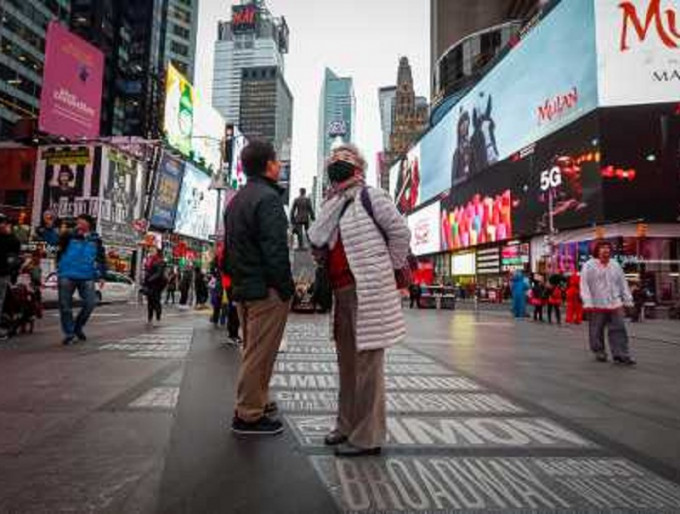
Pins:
x,y
557,178
70,101
407,187
244,18
67,181
425,232
197,207
191,125
238,175
170,173
547,81
637,44
179,110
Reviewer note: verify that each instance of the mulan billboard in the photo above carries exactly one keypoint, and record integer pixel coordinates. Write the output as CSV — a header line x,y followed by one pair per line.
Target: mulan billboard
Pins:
x,y
546,82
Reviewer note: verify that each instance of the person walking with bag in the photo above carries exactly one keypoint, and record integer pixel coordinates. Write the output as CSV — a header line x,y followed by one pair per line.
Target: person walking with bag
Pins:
x,y
605,292
365,239
257,259
154,283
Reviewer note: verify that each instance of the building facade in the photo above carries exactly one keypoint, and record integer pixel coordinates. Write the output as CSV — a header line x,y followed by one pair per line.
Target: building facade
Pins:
x,y
409,116
466,36
138,39
22,51
252,38
527,169
337,109
386,99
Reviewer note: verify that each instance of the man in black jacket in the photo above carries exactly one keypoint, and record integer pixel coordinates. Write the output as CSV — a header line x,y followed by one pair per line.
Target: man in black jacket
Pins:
x,y
301,215
257,259
9,261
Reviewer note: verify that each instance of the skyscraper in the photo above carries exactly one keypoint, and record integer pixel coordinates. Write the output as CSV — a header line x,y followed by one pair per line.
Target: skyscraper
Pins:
x,y
138,38
252,38
336,120
386,98
409,119
22,52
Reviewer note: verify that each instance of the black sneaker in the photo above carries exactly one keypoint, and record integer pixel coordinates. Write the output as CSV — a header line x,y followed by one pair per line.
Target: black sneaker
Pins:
x,y
271,408
349,450
624,361
81,336
601,357
263,426
68,340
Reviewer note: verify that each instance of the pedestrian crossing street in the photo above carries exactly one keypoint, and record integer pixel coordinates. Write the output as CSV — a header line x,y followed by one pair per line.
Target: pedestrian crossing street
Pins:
x,y
454,445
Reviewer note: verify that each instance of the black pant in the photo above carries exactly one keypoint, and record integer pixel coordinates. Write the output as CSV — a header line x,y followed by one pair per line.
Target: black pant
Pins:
x,y
170,293
153,304
233,323
558,315
538,313
301,233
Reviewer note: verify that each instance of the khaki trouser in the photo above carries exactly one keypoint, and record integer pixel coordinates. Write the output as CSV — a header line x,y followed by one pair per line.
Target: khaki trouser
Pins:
x,y
263,322
361,402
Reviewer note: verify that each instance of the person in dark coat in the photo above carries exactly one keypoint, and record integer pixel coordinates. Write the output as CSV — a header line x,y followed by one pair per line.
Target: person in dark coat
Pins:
x,y
258,260
173,283
154,283
301,215
10,248
538,299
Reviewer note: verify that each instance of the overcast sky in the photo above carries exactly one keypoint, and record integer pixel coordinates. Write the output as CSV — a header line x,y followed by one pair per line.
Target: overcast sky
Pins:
x,y
358,38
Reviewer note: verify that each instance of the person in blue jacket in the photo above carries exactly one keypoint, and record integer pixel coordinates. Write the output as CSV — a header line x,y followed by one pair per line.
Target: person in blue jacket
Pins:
x,y
81,262
519,286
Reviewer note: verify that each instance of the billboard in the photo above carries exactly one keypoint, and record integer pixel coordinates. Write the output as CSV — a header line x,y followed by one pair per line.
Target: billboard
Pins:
x,y
559,177
191,125
122,192
407,187
170,173
67,181
197,207
238,175
70,101
244,18
547,81
637,44
178,118
425,232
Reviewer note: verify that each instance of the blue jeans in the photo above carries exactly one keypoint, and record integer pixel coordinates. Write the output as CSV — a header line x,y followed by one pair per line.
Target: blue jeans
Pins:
x,y
87,294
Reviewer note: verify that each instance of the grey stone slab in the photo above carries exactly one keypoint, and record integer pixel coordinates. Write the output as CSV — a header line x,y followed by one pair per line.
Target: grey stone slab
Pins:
x,y
392,382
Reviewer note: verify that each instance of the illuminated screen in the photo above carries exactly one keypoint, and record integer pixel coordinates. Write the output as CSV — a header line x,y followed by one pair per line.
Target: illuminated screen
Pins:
x,y
547,81
197,206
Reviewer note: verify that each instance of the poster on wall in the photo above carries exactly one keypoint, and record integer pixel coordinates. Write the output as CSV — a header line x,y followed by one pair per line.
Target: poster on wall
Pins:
x,y
510,108
425,233
638,45
121,197
67,181
170,173
197,206
70,100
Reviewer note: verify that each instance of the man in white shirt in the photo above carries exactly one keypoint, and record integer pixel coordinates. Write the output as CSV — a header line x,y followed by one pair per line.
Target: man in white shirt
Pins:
x,y
604,291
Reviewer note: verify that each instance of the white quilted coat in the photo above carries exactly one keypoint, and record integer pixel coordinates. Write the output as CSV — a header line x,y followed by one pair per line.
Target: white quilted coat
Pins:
x,y
380,323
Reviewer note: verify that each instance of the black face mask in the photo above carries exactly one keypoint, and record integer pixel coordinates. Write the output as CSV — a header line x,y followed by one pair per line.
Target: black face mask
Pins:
x,y
339,171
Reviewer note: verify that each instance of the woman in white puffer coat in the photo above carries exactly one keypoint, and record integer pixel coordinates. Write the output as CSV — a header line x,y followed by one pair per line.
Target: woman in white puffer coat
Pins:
x,y
367,315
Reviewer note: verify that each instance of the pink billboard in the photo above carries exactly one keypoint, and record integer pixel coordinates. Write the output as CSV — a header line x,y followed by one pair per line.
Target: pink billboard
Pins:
x,y
71,97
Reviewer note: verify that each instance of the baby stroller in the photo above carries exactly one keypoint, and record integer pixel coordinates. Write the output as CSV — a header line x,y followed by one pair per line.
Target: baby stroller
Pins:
x,y
20,309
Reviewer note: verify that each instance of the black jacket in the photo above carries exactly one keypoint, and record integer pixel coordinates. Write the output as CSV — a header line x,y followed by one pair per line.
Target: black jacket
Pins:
x,y
256,242
10,247
302,211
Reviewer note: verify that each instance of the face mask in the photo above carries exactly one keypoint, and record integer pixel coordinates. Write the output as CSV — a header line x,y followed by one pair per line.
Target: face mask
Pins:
x,y
339,171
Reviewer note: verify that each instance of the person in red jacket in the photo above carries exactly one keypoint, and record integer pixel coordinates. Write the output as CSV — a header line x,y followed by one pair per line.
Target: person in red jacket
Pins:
x,y
554,302
574,302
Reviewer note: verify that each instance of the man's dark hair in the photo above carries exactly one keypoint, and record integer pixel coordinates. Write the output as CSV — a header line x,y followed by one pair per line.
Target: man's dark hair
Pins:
x,y
303,191
601,244
255,157
88,218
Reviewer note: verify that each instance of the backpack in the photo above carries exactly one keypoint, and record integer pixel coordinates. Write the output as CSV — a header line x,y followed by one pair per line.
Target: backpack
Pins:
x,y
404,275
